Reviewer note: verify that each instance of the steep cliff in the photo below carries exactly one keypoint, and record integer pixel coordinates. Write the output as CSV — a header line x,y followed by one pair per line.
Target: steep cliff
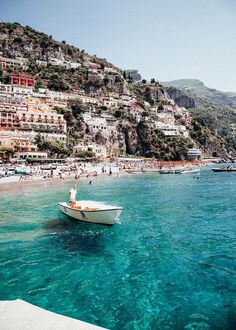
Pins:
x,y
181,99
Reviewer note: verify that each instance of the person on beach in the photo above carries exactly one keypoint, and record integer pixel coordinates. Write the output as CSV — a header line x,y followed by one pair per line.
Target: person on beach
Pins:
x,y
72,196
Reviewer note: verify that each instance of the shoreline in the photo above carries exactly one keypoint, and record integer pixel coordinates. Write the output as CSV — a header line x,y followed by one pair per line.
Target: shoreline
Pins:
x,y
17,185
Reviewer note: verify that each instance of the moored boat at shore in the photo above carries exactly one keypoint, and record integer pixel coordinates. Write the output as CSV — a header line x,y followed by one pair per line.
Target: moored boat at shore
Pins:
x,y
91,211
170,171
224,169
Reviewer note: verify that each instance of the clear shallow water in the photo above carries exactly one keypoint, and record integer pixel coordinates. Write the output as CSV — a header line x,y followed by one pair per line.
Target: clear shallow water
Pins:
x,y
170,264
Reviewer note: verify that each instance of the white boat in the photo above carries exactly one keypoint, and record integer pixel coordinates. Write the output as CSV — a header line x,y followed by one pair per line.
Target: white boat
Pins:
x,y
91,211
192,170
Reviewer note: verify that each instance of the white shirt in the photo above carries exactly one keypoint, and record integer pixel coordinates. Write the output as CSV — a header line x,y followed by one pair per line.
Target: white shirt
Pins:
x,y
72,195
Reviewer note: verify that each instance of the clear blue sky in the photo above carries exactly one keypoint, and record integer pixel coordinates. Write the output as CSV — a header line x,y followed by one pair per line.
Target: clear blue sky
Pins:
x,y
164,39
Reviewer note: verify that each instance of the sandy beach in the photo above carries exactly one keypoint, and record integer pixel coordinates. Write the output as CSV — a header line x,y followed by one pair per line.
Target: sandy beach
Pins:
x,y
19,184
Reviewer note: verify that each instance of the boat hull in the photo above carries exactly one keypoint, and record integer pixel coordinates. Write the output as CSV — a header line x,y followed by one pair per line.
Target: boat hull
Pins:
x,y
223,170
105,217
190,171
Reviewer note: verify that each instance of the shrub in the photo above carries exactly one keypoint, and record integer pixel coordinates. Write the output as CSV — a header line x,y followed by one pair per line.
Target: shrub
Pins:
x,y
17,40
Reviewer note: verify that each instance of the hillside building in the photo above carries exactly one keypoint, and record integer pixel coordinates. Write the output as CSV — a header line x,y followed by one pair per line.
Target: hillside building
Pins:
x,y
31,135
167,129
194,154
17,143
22,80
42,63
41,121
13,63
5,90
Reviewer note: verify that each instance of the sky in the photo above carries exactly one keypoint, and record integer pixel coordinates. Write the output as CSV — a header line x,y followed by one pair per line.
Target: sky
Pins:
x,y
163,39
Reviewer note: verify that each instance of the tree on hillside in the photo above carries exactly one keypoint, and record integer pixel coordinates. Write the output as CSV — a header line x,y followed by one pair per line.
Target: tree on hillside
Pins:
x,y
57,83
152,81
77,108
54,148
6,152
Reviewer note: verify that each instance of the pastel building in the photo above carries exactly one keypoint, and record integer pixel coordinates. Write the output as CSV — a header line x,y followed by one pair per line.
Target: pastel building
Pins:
x,y
42,121
15,142
96,124
9,118
5,89
12,63
110,101
31,135
167,129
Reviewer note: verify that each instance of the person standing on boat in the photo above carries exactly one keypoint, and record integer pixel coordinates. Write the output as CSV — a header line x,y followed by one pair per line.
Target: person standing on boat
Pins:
x,y
72,196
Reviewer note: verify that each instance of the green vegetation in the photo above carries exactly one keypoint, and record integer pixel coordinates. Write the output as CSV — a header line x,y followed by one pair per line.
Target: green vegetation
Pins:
x,y
53,148
6,152
84,154
156,144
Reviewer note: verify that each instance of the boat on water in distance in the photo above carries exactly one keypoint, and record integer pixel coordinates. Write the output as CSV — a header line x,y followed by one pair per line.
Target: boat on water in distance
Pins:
x,y
170,171
224,169
91,211
190,170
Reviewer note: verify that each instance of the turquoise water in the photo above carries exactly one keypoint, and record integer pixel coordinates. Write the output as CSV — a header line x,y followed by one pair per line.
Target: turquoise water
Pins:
x,y
170,264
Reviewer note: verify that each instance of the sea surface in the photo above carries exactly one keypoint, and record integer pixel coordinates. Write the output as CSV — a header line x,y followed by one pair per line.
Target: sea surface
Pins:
x,y
169,264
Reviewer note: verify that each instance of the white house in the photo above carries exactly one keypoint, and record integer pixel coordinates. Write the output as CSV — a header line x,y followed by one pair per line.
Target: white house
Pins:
x,y
5,89
110,101
56,61
183,131
96,124
87,99
41,63
98,150
74,65
194,154
167,129
110,70
17,90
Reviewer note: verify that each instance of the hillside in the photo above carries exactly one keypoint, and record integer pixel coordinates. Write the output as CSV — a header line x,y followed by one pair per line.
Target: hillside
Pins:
x,y
198,88
211,108
25,42
139,121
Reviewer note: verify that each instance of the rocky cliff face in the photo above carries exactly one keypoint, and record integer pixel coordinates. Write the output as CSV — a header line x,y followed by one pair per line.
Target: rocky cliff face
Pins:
x,y
180,98
198,89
